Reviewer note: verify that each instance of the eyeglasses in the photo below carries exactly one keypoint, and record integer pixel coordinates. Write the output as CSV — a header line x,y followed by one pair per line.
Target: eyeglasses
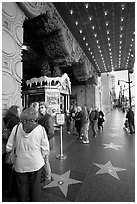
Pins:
x,y
41,107
28,121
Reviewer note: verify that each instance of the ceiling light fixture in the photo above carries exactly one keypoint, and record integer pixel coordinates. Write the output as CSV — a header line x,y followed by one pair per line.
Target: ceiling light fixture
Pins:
x,y
106,12
86,6
122,18
76,22
80,31
95,35
71,12
123,6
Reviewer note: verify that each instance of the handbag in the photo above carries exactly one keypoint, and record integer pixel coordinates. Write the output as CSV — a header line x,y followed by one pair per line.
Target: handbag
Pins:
x,y
6,132
11,156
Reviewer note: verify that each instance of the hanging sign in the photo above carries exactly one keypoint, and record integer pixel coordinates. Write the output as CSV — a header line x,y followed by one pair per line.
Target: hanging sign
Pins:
x,y
60,118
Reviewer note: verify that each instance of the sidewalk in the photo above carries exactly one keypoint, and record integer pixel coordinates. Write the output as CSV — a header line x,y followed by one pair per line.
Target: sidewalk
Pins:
x,y
101,171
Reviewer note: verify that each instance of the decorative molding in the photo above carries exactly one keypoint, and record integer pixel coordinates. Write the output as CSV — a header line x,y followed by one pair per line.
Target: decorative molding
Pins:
x,y
9,45
9,9
17,69
9,84
6,63
6,22
18,32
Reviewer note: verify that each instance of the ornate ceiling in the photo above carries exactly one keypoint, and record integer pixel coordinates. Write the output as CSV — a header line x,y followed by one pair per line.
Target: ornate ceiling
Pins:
x,y
104,30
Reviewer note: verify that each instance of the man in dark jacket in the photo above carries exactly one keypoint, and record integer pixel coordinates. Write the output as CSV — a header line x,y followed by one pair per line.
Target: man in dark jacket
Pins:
x,y
46,121
92,118
130,117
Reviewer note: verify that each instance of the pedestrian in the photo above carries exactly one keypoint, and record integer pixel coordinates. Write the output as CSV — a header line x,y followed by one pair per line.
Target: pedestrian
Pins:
x,y
31,146
85,125
73,110
11,119
77,118
130,117
35,105
47,122
100,120
68,121
93,119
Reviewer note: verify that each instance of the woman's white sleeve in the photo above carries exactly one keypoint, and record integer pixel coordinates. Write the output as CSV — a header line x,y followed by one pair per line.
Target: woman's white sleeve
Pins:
x,y
44,143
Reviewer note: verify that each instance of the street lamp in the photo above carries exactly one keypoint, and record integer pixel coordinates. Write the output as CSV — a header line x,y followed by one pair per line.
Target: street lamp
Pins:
x,y
129,82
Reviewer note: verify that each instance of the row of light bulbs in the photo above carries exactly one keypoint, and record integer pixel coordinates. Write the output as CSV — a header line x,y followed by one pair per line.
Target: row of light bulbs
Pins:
x,y
109,44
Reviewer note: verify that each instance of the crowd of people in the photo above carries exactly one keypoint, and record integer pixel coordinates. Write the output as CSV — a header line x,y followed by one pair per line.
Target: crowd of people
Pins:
x,y
35,139
81,118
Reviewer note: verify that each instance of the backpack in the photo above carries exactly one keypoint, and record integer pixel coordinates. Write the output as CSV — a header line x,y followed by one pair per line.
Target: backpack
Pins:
x,y
96,115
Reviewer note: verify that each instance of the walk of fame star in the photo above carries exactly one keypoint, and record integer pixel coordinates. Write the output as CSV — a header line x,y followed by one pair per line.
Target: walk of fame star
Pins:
x,y
113,128
112,146
113,135
108,168
62,181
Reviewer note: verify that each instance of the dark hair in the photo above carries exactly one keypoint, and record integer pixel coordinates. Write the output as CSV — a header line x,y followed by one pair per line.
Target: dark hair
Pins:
x,y
13,110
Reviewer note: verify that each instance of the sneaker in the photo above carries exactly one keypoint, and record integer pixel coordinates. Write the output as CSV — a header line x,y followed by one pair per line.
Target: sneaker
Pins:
x,y
46,182
85,142
80,138
68,132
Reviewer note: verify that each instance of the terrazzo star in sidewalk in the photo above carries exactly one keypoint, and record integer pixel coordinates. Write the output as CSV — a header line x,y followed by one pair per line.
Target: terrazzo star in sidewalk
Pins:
x,y
112,146
62,181
113,135
108,168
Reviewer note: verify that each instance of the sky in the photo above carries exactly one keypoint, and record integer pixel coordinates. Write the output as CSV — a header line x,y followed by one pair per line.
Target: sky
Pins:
x,y
123,75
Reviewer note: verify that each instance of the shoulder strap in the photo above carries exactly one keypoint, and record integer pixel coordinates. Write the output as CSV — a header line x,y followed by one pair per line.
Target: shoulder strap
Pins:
x,y
16,134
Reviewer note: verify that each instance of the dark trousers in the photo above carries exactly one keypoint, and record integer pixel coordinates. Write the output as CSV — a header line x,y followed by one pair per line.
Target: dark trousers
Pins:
x,y
100,125
8,179
131,127
28,186
93,128
68,126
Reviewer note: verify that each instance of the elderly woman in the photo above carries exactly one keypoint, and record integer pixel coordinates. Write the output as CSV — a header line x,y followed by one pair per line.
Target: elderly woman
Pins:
x,y
31,146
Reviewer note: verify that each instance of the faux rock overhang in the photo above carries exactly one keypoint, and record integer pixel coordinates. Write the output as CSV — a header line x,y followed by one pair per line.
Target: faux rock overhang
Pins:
x,y
59,44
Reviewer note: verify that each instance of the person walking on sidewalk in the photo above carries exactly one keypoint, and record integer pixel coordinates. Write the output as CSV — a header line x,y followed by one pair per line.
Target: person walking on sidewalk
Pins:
x,y
77,118
92,121
68,121
100,120
47,122
85,125
130,117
